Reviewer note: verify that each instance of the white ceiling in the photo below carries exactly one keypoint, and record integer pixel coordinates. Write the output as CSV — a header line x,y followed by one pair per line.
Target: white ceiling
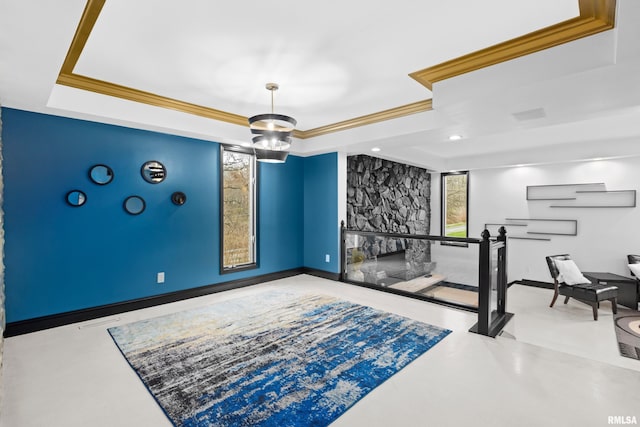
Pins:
x,y
337,60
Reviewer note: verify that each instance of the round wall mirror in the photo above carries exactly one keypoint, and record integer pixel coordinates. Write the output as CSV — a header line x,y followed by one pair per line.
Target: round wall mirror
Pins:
x,y
76,198
179,198
101,174
134,205
153,172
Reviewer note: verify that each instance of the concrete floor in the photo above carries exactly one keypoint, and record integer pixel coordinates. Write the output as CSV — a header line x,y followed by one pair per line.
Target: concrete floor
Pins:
x,y
551,367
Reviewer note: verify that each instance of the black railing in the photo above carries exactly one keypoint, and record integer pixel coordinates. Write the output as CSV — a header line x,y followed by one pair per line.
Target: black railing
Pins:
x,y
491,276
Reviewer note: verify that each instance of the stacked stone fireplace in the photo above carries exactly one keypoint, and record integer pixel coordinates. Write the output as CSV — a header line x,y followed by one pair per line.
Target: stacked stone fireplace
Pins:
x,y
390,197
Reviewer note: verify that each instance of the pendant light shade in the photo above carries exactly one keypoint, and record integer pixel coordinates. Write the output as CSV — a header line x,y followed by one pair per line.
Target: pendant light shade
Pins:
x,y
270,142
271,156
272,133
272,121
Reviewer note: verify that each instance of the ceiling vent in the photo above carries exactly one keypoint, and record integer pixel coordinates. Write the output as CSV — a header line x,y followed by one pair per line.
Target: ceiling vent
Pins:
x,y
536,113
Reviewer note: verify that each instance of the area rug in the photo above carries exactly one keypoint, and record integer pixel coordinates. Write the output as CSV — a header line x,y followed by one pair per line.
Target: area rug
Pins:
x,y
275,359
627,327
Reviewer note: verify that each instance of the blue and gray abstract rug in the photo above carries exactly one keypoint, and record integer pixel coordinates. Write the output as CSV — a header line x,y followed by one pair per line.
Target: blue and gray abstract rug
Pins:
x,y
275,359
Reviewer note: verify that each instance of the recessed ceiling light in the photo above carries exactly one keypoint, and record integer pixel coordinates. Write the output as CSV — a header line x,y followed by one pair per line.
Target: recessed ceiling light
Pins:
x,y
375,149
455,137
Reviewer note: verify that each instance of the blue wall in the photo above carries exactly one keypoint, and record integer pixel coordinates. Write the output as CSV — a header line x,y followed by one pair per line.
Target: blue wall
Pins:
x,y
321,226
59,258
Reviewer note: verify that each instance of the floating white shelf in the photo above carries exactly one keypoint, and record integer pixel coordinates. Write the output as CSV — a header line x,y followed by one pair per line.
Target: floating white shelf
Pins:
x,y
583,195
602,199
560,191
550,226
545,239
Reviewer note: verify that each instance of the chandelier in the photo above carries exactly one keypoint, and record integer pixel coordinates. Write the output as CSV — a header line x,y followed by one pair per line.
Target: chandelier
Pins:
x,y
272,132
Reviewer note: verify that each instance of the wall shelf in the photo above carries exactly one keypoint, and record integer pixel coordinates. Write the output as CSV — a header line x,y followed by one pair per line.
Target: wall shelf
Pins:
x,y
549,234
603,199
557,198
550,226
544,239
541,219
582,195
589,207
560,191
504,224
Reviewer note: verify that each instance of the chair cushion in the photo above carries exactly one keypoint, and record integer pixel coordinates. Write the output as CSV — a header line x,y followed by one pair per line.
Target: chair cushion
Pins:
x,y
551,263
593,291
570,273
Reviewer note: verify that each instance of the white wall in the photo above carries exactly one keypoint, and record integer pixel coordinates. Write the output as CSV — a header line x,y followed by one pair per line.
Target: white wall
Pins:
x,y
605,235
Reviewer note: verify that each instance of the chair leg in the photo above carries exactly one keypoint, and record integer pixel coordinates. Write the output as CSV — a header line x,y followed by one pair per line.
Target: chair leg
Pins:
x,y
566,299
614,306
555,297
594,305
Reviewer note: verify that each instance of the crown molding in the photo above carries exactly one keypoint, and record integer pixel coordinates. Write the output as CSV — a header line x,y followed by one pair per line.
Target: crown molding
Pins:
x,y
595,16
89,17
392,113
111,89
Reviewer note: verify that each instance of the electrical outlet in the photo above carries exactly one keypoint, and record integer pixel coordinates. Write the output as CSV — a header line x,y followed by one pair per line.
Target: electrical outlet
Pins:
x,y
327,258
160,277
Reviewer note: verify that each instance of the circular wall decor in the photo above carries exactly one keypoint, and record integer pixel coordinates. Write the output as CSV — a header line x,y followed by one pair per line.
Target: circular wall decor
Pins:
x,y
101,174
134,205
179,198
76,198
153,172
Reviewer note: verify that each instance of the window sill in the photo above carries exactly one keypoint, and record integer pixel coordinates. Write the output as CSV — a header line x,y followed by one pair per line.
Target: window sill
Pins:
x,y
235,269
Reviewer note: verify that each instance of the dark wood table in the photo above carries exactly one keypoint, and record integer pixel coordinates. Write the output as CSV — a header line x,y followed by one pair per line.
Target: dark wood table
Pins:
x,y
628,289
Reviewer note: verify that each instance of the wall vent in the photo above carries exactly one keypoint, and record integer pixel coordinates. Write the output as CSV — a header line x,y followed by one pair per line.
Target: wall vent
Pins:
x,y
536,113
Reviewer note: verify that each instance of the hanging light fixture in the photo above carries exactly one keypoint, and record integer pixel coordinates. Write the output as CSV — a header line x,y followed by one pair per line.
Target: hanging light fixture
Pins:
x,y
272,132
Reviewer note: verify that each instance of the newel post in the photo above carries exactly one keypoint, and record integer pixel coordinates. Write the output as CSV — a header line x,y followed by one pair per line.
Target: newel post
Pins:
x,y
484,282
502,272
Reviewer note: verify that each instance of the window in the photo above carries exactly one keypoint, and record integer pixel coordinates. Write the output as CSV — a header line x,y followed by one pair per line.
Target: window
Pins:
x,y
455,204
237,209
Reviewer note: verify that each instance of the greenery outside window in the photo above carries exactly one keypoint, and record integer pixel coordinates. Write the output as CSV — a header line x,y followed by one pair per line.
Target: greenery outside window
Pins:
x,y
237,209
455,204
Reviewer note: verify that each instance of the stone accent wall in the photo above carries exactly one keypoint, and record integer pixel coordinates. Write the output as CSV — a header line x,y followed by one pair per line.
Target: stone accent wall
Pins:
x,y
390,197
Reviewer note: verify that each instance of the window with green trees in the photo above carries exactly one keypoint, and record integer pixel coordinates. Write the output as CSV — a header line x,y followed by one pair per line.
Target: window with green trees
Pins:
x,y
455,204
238,209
